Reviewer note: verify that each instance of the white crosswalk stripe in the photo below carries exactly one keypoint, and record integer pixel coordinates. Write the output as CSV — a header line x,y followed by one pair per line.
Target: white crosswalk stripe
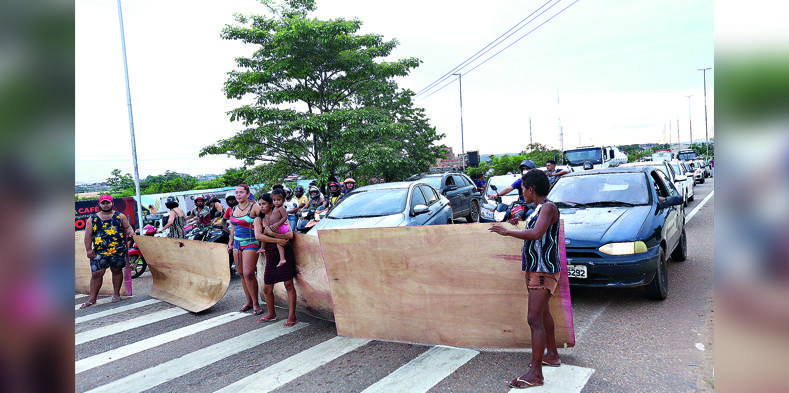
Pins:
x,y
565,379
104,331
152,342
154,376
420,374
115,310
295,366
99,301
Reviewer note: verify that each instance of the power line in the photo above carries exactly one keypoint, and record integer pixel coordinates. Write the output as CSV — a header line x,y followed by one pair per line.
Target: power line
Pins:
x,y
505,48
475,55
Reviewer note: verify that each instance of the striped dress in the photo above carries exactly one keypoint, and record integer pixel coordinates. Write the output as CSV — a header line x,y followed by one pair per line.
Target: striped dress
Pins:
x,y
541,255
244,231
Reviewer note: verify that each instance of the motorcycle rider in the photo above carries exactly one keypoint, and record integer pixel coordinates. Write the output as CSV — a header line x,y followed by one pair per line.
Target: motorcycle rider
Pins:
x,y
200,215
334,193
230,198
350,185
516,185
301,199
216,210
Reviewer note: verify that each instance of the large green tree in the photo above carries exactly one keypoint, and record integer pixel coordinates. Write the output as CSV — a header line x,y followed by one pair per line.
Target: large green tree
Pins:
x,y
324,101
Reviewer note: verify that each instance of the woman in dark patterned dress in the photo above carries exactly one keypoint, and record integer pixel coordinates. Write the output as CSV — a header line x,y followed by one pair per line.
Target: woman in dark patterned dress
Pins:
x,y
274,274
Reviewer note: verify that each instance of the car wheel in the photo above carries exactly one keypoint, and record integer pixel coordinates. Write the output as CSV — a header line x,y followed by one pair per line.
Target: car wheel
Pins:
x,y
692,197
702,180
680,254
658,288
473,212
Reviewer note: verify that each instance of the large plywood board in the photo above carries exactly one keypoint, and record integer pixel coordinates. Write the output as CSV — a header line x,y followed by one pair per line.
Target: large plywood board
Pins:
x,y
190,274
313,295
82,272
457,285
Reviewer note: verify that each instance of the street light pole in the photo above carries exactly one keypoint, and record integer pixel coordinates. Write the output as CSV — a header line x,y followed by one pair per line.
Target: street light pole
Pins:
x,y
690,123
706,127
462,145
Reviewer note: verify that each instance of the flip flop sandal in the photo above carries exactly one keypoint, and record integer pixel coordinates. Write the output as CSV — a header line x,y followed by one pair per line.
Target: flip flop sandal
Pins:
x,y
245,308
267,319
258,311
528,384
86,304
289,324
116,299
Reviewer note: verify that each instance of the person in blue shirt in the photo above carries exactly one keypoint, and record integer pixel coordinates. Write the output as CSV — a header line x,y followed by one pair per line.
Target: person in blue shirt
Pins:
x,y
524,166
481,183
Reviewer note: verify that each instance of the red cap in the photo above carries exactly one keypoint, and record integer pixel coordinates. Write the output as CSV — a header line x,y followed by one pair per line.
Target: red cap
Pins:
x,y
105,197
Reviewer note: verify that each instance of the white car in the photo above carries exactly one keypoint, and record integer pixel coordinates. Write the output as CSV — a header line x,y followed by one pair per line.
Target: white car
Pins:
x,y
690,181
698,173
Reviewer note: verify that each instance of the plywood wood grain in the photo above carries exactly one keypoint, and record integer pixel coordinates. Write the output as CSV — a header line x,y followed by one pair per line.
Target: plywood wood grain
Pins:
x,y
190,274
312,284
457,285
82,272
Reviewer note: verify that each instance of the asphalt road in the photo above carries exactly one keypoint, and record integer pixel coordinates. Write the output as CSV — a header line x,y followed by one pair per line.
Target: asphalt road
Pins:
x,y
625,343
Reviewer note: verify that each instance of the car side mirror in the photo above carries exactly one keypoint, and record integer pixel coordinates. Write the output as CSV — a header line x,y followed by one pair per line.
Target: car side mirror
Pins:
x,y
493,187
420,209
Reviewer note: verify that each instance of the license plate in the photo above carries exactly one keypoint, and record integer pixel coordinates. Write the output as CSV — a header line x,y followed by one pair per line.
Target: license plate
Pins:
x,y
576,271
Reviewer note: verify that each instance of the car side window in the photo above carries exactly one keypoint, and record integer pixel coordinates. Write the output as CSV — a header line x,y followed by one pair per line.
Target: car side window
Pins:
x,y
449,181
417,198
460,181
663,183
670,169
430,196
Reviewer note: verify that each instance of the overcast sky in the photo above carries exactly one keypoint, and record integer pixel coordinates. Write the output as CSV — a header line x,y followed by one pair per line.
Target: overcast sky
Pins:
x,y
607,71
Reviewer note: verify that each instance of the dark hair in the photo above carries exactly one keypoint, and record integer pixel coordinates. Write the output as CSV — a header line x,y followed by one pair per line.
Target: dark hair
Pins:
x,y
266,197
538,180
550,162
244,186
278,191
171,205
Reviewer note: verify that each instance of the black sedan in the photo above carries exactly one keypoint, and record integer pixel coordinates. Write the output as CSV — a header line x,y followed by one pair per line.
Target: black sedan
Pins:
x,y
620,226
459,189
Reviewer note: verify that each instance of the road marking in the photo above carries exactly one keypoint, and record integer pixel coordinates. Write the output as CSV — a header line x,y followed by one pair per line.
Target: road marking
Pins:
x,y
115,310
696,210
422,373
105,331
155,376
565,379
122,352
597,314
295,366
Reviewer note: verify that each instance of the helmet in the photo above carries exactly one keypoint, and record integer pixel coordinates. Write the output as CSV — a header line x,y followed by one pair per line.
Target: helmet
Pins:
x,y
299,190
527,164
149,229
316,191
171,199
288,191
200,197
350,180
230,194
333,185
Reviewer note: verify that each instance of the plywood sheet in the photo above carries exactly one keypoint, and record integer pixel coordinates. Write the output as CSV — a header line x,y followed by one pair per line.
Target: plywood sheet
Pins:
x,y
82,272
313,295
457,285
190,274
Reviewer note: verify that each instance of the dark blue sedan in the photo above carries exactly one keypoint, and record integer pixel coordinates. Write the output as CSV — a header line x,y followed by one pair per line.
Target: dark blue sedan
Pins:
x,y
621,224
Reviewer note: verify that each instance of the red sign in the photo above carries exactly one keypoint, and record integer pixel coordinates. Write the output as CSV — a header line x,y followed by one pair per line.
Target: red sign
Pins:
x,y
84,209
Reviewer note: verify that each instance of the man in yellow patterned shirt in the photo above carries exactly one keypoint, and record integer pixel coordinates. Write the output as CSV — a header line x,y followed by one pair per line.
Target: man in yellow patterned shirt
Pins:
x,y
105,243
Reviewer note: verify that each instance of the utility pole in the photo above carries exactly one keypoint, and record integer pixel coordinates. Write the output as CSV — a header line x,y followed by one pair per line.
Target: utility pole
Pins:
x,y
531,138
690,124
561,130
679,141
462,145
131,122
706,128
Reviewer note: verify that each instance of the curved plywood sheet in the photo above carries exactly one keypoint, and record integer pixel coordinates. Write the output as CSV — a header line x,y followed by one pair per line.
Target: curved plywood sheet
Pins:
x,y
190,274
82,272
457,285
312,284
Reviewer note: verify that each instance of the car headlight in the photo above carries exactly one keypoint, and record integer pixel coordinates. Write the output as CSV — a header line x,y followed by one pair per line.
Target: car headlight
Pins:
x,y
623,248
487,214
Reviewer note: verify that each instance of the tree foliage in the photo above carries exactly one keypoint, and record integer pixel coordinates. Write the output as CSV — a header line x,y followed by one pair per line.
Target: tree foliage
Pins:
x,y
324,102
119,182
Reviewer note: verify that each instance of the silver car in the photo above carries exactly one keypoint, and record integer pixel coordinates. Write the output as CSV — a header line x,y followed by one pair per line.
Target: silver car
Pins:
x,y
388,205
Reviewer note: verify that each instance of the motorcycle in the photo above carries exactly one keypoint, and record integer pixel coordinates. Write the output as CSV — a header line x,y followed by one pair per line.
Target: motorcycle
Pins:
x,y
309,217
136,260
213,234
504,212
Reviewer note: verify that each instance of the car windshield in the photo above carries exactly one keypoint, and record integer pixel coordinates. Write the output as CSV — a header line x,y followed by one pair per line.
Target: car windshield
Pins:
x,y
677,169
612,188
371,203
578,156
501,182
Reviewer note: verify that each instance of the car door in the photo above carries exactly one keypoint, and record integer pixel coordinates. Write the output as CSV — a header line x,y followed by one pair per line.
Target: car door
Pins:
x,y
466,190
434,216
454,194
672,214
418,198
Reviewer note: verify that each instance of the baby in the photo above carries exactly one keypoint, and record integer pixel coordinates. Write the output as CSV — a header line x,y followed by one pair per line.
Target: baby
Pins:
x,y
277,220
